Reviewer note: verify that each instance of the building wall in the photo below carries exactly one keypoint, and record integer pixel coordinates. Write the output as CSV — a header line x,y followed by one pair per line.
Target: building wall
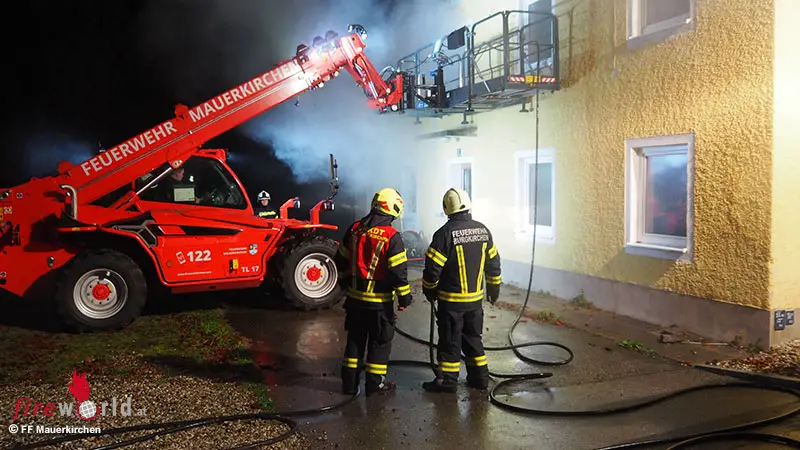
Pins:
x,y
786,163
714,81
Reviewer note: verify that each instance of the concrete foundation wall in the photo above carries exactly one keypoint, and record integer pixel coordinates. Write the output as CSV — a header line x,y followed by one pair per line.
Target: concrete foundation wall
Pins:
x,y
716,320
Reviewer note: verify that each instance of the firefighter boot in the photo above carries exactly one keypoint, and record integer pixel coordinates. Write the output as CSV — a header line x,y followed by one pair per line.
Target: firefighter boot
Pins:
x,y
446,382
377,385
351,378
478,377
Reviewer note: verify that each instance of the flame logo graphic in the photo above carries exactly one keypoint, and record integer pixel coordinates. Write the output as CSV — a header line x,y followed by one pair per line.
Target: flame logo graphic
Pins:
x,y
79,388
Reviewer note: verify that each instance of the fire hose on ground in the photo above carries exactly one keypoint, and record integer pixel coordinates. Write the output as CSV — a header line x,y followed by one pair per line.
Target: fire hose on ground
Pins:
x,y
732,433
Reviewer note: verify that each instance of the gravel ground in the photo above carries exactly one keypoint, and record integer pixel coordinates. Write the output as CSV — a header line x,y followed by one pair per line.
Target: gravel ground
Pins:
x,y
783,360
152,399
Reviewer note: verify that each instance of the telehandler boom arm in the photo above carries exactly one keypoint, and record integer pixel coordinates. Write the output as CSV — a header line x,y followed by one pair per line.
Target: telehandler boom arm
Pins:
x,y
174,140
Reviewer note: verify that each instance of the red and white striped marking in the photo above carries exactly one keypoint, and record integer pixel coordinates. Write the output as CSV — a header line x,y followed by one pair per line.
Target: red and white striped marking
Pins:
x,y
531,79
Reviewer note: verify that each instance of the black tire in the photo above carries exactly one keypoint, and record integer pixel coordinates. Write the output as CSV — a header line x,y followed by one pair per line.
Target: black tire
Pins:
x,y
128,285
318,252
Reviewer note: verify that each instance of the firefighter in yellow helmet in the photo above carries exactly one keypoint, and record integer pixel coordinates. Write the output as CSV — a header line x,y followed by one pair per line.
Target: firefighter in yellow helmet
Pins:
x,y
462,255
372,266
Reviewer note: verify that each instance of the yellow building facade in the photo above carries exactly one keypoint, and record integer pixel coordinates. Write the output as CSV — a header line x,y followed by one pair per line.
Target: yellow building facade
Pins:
x,y
668,175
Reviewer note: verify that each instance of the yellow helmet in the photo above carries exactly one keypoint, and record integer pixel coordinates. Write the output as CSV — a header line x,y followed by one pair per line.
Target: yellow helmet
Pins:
x,y
388,201
456,201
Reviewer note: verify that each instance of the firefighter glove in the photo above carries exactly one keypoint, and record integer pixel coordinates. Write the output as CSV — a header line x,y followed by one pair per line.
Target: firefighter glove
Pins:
x,y
430,294
404,301
492,293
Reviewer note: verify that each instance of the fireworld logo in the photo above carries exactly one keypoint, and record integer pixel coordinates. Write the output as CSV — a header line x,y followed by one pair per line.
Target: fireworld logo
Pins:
x,y
84,408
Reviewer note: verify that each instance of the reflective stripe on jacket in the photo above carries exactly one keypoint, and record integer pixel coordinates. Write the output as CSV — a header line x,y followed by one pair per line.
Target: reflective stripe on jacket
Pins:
x,y
373,257
462,255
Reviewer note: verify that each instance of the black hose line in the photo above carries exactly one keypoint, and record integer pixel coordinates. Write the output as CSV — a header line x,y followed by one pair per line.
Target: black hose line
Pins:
x,y
732,433
165,428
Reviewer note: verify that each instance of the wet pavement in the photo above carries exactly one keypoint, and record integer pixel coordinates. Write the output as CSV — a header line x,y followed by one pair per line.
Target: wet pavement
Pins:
x,y
300,355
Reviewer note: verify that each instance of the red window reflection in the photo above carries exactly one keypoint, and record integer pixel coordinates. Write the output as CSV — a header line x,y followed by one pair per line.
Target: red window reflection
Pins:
x,y
666,196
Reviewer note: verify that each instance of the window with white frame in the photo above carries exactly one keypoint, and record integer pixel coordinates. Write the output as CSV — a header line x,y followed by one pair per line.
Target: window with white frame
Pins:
x,y
536,194
466,179
460,175
659,184
648,17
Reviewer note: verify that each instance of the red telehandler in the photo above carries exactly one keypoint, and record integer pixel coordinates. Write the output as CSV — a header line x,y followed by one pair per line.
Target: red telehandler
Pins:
x,y
157,210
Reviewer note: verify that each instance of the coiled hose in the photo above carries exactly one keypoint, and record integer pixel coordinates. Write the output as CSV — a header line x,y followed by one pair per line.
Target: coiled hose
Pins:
x,y
733,433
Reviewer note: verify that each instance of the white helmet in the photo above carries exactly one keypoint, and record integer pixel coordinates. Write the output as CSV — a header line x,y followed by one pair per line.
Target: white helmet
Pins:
x,y
456,201
264,195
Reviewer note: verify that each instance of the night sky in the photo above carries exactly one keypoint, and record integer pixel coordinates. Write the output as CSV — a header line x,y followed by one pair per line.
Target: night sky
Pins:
x,y
85,77
93,73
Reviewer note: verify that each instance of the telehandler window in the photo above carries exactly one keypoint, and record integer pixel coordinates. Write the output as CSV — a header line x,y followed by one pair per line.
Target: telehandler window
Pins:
x,y
201,181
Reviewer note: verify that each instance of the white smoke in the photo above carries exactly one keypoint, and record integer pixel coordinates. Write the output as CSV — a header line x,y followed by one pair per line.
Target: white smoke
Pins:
x,y
251,37
372,149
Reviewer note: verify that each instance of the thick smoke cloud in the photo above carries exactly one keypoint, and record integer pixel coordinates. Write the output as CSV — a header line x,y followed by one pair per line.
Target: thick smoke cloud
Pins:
x,y
218,44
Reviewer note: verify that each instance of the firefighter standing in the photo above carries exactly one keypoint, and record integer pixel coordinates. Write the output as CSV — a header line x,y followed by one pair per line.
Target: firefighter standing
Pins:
x,y
372,263
264,210
461,255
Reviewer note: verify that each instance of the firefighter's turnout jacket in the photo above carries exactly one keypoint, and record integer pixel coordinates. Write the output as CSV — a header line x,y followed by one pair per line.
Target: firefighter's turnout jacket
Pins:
x,y
267,212
461,256
372,259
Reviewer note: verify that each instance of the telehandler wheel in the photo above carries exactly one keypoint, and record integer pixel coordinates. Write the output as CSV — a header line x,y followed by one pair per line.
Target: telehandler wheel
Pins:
x,y
101,290
309,276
